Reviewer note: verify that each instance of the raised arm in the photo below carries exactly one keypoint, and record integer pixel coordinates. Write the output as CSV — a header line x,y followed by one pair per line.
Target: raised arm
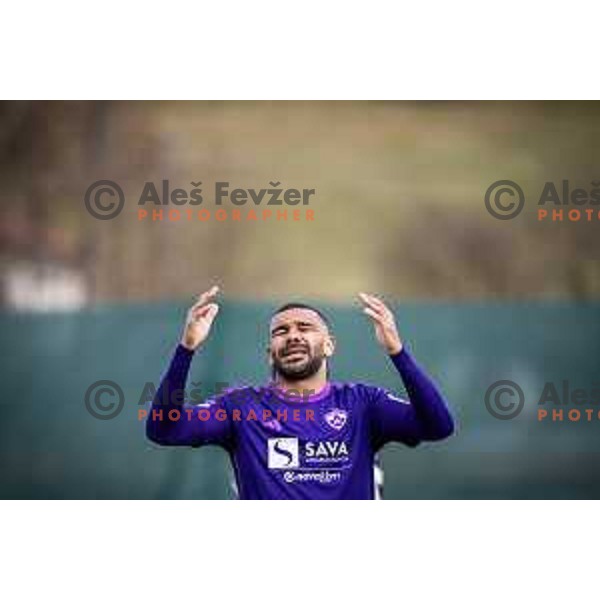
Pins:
x,y
424,415
173,422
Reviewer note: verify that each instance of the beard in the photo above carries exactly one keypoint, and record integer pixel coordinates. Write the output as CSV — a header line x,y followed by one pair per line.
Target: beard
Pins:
x,y
300,367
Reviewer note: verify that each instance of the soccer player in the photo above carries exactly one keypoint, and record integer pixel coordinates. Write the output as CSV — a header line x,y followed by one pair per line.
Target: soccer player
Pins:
x,y
301,436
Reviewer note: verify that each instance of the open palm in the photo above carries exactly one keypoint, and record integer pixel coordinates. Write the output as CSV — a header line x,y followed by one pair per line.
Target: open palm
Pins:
x,y
200,318
384,323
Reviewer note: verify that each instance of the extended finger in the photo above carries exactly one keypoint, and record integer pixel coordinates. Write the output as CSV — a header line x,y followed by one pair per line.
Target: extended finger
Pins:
x,y
206,297
369,301
211,313
374,315
381,306
378,301
203,311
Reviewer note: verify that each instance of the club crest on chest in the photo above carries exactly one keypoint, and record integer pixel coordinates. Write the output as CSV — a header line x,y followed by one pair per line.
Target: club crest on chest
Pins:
x,y
336,418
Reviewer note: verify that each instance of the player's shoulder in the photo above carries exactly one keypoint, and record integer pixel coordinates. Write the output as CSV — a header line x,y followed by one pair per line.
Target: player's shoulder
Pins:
x,y
364,392
358,390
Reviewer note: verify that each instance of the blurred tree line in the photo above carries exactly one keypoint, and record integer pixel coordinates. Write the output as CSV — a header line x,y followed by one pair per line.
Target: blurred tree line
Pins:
x,y
398,206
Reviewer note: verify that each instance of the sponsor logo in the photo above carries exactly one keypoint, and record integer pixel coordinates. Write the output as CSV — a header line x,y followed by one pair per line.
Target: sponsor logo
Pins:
x,y
289,453
318,476
283,453
328,451
336,418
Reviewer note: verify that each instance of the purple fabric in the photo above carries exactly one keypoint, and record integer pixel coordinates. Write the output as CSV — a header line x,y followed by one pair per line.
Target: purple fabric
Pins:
x,y
293,448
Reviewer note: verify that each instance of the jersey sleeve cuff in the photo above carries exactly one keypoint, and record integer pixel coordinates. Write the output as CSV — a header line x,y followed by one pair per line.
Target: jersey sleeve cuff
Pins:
x,y
183,354
401,359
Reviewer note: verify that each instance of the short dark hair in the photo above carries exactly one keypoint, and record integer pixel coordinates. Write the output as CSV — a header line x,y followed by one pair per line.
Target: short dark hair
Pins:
x,y
291,305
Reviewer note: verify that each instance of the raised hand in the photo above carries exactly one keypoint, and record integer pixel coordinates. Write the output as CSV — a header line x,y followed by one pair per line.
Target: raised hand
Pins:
x,y
199,319
383,322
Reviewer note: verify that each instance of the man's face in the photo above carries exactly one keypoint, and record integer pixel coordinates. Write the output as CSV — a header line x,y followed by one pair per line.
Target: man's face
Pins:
x,y
300,342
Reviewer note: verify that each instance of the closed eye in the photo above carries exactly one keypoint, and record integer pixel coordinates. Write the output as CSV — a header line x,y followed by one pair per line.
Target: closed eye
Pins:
x,y
278,331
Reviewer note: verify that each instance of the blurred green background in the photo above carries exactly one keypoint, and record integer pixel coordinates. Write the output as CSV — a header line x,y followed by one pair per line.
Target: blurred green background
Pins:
x,y
399,211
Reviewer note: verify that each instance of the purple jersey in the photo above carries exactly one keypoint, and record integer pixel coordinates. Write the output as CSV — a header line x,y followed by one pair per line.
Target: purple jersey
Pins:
x,y
283,447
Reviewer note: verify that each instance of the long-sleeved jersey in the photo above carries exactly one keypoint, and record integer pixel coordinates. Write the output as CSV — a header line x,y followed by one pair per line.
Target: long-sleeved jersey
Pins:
x,y
281,446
